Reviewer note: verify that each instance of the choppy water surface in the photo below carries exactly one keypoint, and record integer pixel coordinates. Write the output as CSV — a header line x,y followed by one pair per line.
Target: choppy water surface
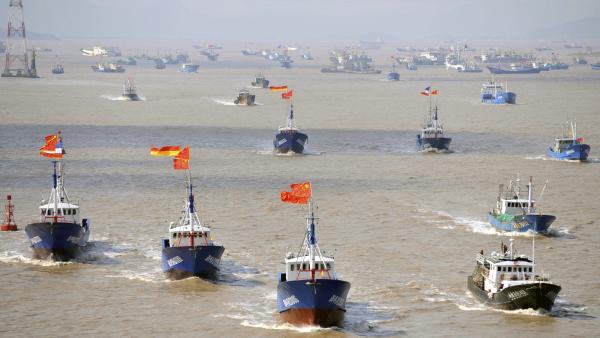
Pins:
x,y
404,226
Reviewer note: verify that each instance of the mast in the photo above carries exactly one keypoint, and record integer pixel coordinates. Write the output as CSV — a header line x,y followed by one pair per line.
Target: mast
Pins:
x,y
55,189
290,119
529,193
310,229
190,207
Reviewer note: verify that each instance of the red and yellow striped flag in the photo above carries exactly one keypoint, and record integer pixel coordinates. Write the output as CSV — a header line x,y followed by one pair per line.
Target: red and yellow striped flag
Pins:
x,y
278,88
165,151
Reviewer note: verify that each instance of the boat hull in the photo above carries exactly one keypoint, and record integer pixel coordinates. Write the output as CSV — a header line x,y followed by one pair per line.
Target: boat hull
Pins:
x,y
595,66
322,303
130,97
433,143
496,70
187,261
502,98
287,141
535,295
189,69
61,241
531,222
575,152
393,76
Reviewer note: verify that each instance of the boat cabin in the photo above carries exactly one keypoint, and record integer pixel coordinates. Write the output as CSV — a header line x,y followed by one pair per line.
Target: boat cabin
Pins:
x,y
65,212
298,268
503,270
182,235
514,206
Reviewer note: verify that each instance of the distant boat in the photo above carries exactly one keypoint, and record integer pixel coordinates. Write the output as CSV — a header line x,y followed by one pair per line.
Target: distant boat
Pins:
x,y
469,68
289,138
58,69
411,66
129,61
307,56
508,281
393,75
248,52
568,146
159,64
493,93
514,69
595,66
285,61
129,91
432,134
245,98
260,82
188,68
309,292
514,212
108,68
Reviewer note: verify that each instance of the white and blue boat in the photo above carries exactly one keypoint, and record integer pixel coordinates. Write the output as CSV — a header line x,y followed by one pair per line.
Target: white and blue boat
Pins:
x,y
516,214
289,139
595,66
393,75
309,292
190,251
569,146
188,68
493,93
432,136
59,234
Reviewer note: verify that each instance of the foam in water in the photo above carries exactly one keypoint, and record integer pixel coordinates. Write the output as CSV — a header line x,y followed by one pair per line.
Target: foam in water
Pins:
x,y
120,98
232,103
16,257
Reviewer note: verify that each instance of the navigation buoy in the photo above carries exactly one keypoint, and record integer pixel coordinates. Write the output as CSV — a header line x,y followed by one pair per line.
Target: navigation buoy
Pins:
x,y
9,222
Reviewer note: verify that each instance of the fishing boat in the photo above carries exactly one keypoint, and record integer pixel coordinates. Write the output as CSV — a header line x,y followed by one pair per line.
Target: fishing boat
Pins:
x,y
568,146
244,98
190,251
432,136
9,220
411,66
514,213
58,69
59,234
129,91
493,93
309,292
595,66
514,69
556,64
349,61
188,68
108,68
260,82
509,281
469,68
159,64
289,138
285,61
393,75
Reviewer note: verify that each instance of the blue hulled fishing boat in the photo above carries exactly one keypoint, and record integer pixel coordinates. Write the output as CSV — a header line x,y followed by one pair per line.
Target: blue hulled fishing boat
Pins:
x,y
513,213
190,251
309,291
595,66
59,234
289,138
393,75
432,136
188,68
493,93
514,69
569,146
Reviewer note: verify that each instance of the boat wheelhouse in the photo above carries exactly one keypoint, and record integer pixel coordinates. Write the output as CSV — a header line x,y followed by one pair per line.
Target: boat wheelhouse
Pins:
x,y
568,146
432,136
129,91
494,93
515,213
244,98
309,291
260,82
509,281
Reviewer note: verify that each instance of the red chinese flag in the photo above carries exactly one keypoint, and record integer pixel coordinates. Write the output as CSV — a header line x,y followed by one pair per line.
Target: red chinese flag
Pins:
x,y
182,160
300,194
52,146
288,95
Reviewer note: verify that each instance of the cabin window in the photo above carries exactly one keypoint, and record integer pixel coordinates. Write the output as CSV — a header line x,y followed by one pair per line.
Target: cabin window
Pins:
x,y
298,267
292,267
174,235
328,266
519,269
303,266
74,211
509,269
530,269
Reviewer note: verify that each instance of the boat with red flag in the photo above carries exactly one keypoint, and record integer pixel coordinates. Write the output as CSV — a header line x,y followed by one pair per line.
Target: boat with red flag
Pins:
x,y
189,251
309,292
59,234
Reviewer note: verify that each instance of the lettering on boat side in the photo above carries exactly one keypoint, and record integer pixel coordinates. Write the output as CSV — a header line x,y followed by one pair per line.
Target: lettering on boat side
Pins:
x,y
291,300
174,261
35,240
337,300
517,294
214,261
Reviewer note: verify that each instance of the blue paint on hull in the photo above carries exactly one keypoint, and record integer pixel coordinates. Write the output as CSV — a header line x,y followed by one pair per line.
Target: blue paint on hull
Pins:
x,y
517,70
531,222
393,76
500,98
61,240
187,261
575,152
287,141
436,143
320,303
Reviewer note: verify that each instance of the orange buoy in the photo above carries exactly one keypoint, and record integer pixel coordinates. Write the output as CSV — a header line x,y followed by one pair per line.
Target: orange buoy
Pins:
x,y
9,222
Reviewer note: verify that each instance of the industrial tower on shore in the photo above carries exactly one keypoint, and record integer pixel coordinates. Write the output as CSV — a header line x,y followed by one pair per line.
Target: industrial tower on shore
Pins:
x,y
17,62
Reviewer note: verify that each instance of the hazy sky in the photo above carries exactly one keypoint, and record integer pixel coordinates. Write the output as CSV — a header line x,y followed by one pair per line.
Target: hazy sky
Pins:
x,y
286,20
